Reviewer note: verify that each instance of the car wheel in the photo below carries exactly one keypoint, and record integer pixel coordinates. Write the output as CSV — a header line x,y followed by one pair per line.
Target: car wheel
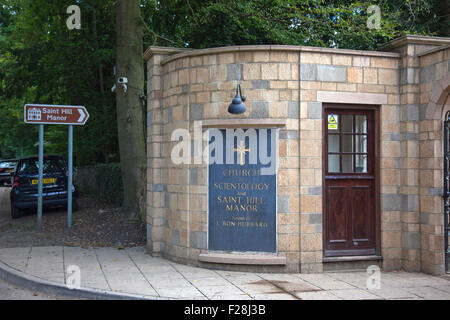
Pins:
x,y
15,212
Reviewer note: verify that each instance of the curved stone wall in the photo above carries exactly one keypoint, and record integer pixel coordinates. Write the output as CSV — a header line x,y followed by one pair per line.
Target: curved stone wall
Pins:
x,y
286,87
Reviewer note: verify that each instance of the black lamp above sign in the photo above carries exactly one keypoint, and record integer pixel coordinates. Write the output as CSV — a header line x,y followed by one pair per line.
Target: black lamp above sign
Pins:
x,y
237,105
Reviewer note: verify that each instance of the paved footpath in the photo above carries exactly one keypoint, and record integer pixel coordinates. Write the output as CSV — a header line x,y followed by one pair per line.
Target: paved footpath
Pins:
x,y
131,273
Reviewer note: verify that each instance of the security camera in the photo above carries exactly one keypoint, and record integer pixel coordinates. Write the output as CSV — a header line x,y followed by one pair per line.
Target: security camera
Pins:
x,y
122,80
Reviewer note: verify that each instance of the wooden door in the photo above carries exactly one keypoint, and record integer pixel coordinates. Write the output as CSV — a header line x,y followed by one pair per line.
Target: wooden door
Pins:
x,y
350,181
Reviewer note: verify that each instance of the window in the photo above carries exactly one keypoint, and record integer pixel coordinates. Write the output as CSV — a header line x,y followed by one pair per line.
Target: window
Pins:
x,y
347,143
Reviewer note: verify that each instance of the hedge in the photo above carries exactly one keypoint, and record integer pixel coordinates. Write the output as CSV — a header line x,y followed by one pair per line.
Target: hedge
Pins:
x,y
103,180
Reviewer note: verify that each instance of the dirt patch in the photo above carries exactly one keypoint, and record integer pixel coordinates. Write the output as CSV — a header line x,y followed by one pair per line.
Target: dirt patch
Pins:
x,y
95,224
279,286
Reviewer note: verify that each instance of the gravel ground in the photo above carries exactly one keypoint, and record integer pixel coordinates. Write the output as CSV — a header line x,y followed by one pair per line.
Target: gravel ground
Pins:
x,y
95,224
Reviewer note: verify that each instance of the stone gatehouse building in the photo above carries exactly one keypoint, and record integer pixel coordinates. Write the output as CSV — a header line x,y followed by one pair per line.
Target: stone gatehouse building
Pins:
x,y
359,149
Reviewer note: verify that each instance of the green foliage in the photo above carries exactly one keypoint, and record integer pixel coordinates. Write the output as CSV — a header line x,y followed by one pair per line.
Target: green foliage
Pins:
x,y
334,23
109,183
41,61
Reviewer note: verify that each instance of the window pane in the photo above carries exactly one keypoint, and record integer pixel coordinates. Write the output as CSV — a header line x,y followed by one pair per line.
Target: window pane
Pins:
x,y
333,143
347,163
347,123
361,124
333,163
361,144
361,163
347,143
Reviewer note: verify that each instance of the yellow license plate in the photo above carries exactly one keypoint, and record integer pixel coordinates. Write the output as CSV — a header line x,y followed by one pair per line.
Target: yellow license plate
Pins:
x,y
10,170
45,181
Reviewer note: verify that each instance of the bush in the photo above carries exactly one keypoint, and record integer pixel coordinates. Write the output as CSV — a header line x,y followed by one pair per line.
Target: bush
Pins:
x,y
103,181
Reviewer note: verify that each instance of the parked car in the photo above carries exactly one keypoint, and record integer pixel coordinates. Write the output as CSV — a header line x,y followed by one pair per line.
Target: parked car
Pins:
x,y
7,170
24,192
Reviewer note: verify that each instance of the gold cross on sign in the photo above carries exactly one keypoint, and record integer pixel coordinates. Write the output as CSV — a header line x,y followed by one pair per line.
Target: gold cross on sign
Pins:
x,y
241,149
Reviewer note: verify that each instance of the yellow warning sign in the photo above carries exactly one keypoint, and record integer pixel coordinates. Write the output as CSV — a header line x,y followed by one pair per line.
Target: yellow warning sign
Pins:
x,y
332,122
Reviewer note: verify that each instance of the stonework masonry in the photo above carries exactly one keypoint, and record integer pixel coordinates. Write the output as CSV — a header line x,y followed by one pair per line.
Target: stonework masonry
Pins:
x,y
409,79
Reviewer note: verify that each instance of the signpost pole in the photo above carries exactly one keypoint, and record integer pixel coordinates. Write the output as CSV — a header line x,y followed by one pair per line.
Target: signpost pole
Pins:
x,y
41,173
69,179
55,114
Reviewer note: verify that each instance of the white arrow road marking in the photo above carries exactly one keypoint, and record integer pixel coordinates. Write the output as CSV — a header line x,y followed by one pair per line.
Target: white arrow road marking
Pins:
x,y
82,115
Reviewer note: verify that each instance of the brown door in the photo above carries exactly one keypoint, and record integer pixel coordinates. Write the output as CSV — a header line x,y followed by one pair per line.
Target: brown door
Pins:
x,y
350,192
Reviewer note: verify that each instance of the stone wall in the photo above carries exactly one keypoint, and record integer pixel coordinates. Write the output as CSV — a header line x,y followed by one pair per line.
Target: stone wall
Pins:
x,y
292,84
434,90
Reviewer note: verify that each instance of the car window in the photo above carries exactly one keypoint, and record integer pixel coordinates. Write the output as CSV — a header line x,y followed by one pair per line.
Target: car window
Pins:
x,y
31,166
62,164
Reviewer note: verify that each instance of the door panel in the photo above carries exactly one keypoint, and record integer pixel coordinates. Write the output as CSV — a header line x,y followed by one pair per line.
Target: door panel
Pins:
x,y
337,207
360,200
349,182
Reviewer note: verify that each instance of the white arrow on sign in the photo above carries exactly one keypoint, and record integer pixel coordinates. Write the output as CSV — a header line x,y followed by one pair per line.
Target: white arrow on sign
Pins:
x,y
82,115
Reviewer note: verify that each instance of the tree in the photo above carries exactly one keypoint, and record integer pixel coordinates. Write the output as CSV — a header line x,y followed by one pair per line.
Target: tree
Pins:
x,y
321,23
42,61
129,65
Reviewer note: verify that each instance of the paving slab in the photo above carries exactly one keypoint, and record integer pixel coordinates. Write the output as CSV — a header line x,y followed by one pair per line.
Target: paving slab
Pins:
x,y
210,281
429,293
325,281
47,263
317,295
91,274
17,257
181,293
354,294
445,288
259,287
233,297
212,291
194,273
115,264
242,279
386,292
274,296
169,283
395,280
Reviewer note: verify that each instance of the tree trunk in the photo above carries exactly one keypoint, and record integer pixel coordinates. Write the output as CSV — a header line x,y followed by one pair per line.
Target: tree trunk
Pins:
x,y
101,82
129,64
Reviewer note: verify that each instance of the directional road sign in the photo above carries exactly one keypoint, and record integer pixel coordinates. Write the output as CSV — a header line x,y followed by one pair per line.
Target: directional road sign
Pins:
x,y
54,114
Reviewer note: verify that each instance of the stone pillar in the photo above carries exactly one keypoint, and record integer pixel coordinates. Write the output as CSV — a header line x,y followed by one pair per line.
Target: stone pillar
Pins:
x,y
409,134
421,162
156,188
434,89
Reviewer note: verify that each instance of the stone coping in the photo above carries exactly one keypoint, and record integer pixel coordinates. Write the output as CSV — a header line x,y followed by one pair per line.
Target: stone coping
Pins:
x,y
161,50
244,123
246,259
424,53
179,53
414,39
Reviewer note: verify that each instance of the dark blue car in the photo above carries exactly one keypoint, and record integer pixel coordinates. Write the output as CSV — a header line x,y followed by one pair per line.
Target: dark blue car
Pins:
x,y
24,192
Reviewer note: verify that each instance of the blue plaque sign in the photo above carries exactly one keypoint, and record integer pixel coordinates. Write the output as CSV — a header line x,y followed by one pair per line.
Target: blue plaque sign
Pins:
x,y
242,190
